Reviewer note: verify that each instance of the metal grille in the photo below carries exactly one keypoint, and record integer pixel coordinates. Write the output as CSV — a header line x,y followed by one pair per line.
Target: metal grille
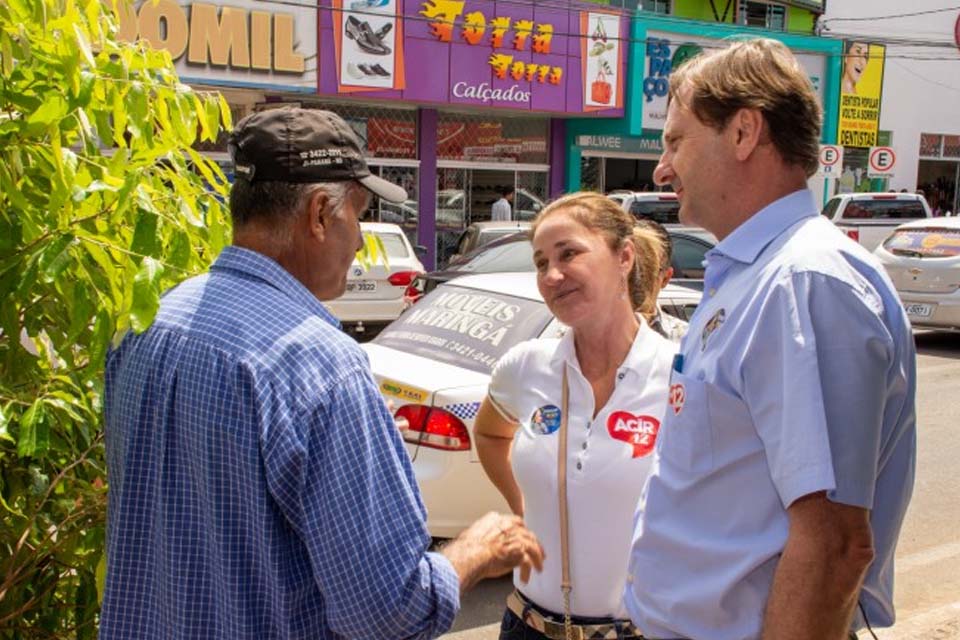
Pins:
x,y
531,195
385,133
404,214
452,199
591,174
487,139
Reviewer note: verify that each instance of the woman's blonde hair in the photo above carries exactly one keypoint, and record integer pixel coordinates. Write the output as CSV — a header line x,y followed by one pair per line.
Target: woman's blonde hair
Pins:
x,y
602,215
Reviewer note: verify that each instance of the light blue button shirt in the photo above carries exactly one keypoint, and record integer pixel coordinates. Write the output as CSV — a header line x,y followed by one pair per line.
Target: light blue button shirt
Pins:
x,y
798,376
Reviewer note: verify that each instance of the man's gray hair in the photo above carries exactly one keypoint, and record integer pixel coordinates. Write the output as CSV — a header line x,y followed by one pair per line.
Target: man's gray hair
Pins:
x,y
275,204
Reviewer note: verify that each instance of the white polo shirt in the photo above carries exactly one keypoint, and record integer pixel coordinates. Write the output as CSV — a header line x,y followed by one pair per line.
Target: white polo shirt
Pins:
x,y
608,461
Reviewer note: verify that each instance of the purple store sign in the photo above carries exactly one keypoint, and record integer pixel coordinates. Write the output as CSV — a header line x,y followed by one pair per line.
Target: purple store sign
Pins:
x,y
543,58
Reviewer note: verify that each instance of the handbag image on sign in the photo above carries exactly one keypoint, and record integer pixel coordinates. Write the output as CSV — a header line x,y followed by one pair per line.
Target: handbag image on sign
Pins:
x,y
600,90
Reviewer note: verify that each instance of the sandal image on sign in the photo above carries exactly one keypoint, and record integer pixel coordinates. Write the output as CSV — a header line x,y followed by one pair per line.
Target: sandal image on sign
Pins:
x,y
367,40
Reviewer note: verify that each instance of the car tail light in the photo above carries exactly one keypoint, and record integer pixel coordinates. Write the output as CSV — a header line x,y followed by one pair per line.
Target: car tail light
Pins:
x,y
433,427
852,232
891,196
415,290
402,278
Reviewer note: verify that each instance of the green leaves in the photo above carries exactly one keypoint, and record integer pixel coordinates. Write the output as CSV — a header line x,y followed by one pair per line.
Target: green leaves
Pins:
x,y
103,206
146,294
34,434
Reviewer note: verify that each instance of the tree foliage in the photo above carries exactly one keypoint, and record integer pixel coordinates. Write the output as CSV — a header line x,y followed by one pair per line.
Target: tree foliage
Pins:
x,y
103,204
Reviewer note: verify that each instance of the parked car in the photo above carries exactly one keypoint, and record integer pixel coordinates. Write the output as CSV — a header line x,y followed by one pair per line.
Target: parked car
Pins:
x,y
515,253
868,218
923,260
482,233
374,298
659,206
434,364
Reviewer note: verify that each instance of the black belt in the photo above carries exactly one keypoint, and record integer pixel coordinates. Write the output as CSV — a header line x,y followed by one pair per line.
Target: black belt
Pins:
x,y
555,630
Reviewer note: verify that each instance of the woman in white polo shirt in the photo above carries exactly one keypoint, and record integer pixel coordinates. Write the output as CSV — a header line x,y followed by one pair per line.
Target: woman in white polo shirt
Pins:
x,y
597,274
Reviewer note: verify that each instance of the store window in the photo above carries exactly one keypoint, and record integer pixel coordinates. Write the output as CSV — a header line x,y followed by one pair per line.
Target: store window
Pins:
x,y
763,14
938,172
656,6
479,138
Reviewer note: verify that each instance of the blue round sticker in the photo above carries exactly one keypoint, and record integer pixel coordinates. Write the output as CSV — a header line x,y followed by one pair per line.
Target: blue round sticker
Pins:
x,y
545,420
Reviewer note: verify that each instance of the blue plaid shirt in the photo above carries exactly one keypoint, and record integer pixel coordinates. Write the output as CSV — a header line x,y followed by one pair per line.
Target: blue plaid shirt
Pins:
x,y
258,486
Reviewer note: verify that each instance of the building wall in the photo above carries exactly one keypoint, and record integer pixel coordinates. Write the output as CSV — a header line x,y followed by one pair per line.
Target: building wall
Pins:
x,y
700,10
919,96
800,20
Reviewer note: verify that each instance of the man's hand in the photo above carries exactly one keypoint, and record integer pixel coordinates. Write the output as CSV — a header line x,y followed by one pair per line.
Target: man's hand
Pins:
x,y
491,547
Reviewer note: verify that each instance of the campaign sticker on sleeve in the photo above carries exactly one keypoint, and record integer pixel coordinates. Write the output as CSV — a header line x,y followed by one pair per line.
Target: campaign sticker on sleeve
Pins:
x,y
640,432
678,395
545,420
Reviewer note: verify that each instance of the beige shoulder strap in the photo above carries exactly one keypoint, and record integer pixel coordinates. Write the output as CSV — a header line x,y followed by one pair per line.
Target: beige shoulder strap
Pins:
x,y
565,584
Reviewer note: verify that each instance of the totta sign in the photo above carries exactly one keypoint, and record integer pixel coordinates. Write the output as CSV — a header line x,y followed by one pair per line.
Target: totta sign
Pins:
x,y
880,162
831,161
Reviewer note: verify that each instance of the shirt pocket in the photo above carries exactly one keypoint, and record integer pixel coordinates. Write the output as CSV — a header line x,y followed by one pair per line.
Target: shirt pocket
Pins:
x,y
685,441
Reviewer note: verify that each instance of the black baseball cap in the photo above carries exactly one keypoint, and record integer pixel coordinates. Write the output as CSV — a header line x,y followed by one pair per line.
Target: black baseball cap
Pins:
x,y
292,144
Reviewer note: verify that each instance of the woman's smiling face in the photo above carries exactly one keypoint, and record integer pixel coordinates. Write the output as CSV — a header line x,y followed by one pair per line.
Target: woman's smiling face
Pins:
x,y
578,275
855,61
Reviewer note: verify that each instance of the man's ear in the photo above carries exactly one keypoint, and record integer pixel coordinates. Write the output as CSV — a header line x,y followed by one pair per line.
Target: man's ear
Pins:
x,y
747,130
318,213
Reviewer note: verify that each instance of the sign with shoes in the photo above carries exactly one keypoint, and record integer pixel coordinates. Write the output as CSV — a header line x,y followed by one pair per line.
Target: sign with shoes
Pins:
x,y
475,53
368,44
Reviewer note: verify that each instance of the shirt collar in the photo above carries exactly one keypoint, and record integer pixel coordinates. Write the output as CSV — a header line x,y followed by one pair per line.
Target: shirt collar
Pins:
x,y
637,360
750,239
256,265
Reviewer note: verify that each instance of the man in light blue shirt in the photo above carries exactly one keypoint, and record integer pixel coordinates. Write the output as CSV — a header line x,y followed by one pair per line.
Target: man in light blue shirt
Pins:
x,y
786,461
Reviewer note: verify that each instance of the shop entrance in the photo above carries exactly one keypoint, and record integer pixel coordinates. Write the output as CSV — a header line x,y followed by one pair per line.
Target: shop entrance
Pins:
x,y
466,193
608,173
938,180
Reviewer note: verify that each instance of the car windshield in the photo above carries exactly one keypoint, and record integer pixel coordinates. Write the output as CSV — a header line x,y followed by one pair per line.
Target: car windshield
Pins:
x,y
883,209
924,243
513,253
394,245
662,211
465,327
489,235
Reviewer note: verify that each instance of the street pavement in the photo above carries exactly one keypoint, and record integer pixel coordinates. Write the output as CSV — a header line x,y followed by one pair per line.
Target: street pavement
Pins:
x,y
928,556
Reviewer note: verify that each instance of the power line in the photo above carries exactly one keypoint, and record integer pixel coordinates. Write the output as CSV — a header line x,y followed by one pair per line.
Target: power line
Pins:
x,y
893,15
925,79
720,43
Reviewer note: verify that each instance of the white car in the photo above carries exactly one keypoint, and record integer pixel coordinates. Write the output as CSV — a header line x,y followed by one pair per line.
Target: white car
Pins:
x,y
659,206
434,364
868,218
923,260
375,298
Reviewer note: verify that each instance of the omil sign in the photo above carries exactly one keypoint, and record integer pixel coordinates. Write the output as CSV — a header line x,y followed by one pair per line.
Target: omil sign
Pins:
x,y
224,36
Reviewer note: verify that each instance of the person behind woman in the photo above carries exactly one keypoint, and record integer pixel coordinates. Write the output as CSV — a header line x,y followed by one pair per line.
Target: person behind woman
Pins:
x,y
597,274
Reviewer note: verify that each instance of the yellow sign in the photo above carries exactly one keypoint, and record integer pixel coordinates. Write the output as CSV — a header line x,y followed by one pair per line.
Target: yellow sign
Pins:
x,y
861,86
403,392
210,34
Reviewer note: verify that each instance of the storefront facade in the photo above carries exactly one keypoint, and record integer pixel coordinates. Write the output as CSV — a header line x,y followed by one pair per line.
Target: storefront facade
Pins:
x,y
622,154
486,87
920,99
454,99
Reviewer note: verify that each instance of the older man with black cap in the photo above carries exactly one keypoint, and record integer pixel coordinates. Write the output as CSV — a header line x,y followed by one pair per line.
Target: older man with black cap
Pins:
x,y
258,485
